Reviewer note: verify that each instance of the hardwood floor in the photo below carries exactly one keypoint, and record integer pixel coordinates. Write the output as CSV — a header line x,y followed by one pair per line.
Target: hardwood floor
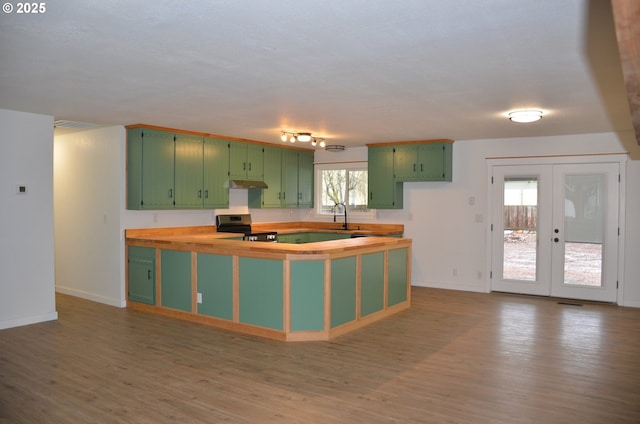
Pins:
x,y
454,357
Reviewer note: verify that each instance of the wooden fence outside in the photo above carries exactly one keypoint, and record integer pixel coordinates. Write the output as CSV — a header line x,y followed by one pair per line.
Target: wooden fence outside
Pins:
x,y
520,218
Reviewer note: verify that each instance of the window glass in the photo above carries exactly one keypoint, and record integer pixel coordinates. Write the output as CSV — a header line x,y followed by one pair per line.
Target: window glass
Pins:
x,y
342,185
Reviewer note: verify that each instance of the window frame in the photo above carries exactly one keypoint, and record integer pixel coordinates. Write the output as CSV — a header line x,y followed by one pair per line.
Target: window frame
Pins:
x,y
347,166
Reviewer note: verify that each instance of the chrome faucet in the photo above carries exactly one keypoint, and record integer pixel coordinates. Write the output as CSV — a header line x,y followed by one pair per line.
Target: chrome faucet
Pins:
x,y
344,226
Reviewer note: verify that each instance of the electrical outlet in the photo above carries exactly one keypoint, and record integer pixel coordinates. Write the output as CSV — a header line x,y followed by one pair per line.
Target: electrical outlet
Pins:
x,y
199,297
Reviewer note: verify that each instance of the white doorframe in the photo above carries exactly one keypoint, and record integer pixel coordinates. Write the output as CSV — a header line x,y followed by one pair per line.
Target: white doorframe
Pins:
x,y
620,159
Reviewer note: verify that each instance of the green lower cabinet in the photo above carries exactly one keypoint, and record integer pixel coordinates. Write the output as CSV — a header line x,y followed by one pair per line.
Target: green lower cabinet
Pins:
x,y
307,296
343,291
176,280
398,260
372,283
215,283
261,292
141,275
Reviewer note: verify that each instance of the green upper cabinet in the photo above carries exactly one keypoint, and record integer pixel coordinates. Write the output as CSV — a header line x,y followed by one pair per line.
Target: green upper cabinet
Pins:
x,y
150,169
384,191
288,174
269,197
289,181
215,173
423,162
189,171
436,162
305,179
246,161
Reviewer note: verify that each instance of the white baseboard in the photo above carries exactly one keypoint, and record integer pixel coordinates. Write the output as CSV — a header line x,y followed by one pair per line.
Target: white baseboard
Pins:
x,y
19,322
118,303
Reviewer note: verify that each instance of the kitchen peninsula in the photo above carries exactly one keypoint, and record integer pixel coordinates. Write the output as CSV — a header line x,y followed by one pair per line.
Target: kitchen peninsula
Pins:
x,y
289,291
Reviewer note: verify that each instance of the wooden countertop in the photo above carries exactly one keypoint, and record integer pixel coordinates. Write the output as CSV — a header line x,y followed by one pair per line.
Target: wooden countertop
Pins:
x,y
206,239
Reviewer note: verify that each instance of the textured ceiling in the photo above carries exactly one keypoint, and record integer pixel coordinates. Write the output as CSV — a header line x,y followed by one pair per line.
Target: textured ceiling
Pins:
x,y
354,71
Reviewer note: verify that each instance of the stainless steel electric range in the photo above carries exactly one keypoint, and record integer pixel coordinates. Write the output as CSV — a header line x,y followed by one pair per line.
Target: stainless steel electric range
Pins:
x,y
241,223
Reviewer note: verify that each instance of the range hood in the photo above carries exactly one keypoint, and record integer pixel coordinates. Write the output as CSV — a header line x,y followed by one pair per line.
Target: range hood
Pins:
x,y
247,184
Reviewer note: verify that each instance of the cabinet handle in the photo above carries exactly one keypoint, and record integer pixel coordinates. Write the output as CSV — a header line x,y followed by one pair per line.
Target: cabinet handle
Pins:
x,y
170,193
249,166
199,194
300,195
206,194
278,195
421,167
244,166
284,195
148,274
414,167
371,195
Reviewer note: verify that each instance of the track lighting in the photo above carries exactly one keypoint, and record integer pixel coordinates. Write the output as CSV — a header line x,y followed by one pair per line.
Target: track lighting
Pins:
x,y
302,137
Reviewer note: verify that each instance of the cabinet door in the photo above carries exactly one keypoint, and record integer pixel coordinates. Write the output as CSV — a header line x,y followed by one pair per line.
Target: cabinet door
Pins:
x,y
141,275
255,162
134,168
246,161
158,150
237,160
271,197
384,192
188,171
176,280
305,180
289,184
435,162
216,173
261,292
215,282
405,163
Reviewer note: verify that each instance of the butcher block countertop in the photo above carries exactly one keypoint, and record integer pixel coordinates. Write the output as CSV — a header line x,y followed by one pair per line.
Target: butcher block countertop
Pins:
x,y
206,238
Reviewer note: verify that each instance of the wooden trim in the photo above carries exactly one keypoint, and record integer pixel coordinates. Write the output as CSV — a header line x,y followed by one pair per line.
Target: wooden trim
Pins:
x,y
194,282
286,295
385,273
399,143
158,277
235,265
358,286
126,272
626,15
218,136
409,261
327,295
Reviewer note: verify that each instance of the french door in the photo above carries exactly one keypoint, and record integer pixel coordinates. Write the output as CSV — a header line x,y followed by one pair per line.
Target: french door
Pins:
x,y
555,230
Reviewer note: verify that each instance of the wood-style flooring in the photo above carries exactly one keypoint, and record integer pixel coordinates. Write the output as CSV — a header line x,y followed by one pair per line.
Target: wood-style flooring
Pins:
x,y
454,357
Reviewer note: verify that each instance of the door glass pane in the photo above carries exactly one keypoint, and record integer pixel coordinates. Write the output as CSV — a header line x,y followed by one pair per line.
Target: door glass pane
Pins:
x,y
584,222
520,212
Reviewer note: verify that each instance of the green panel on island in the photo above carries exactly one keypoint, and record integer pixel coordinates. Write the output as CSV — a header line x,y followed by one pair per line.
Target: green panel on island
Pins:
x,y
328,285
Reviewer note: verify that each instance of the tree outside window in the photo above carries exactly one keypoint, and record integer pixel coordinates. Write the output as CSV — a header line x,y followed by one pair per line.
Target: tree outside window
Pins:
x,y
348,186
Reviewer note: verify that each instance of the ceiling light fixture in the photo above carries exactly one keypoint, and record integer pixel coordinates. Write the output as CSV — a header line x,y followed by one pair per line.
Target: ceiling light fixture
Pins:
x,y
524,116
303,137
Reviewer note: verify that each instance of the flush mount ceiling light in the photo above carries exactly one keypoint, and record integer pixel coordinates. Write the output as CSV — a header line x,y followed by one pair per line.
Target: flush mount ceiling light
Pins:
x,y
302,137
524,116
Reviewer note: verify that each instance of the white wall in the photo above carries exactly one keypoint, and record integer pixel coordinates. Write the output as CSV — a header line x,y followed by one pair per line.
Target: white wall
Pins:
x,y
450,245
26,231
87,187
